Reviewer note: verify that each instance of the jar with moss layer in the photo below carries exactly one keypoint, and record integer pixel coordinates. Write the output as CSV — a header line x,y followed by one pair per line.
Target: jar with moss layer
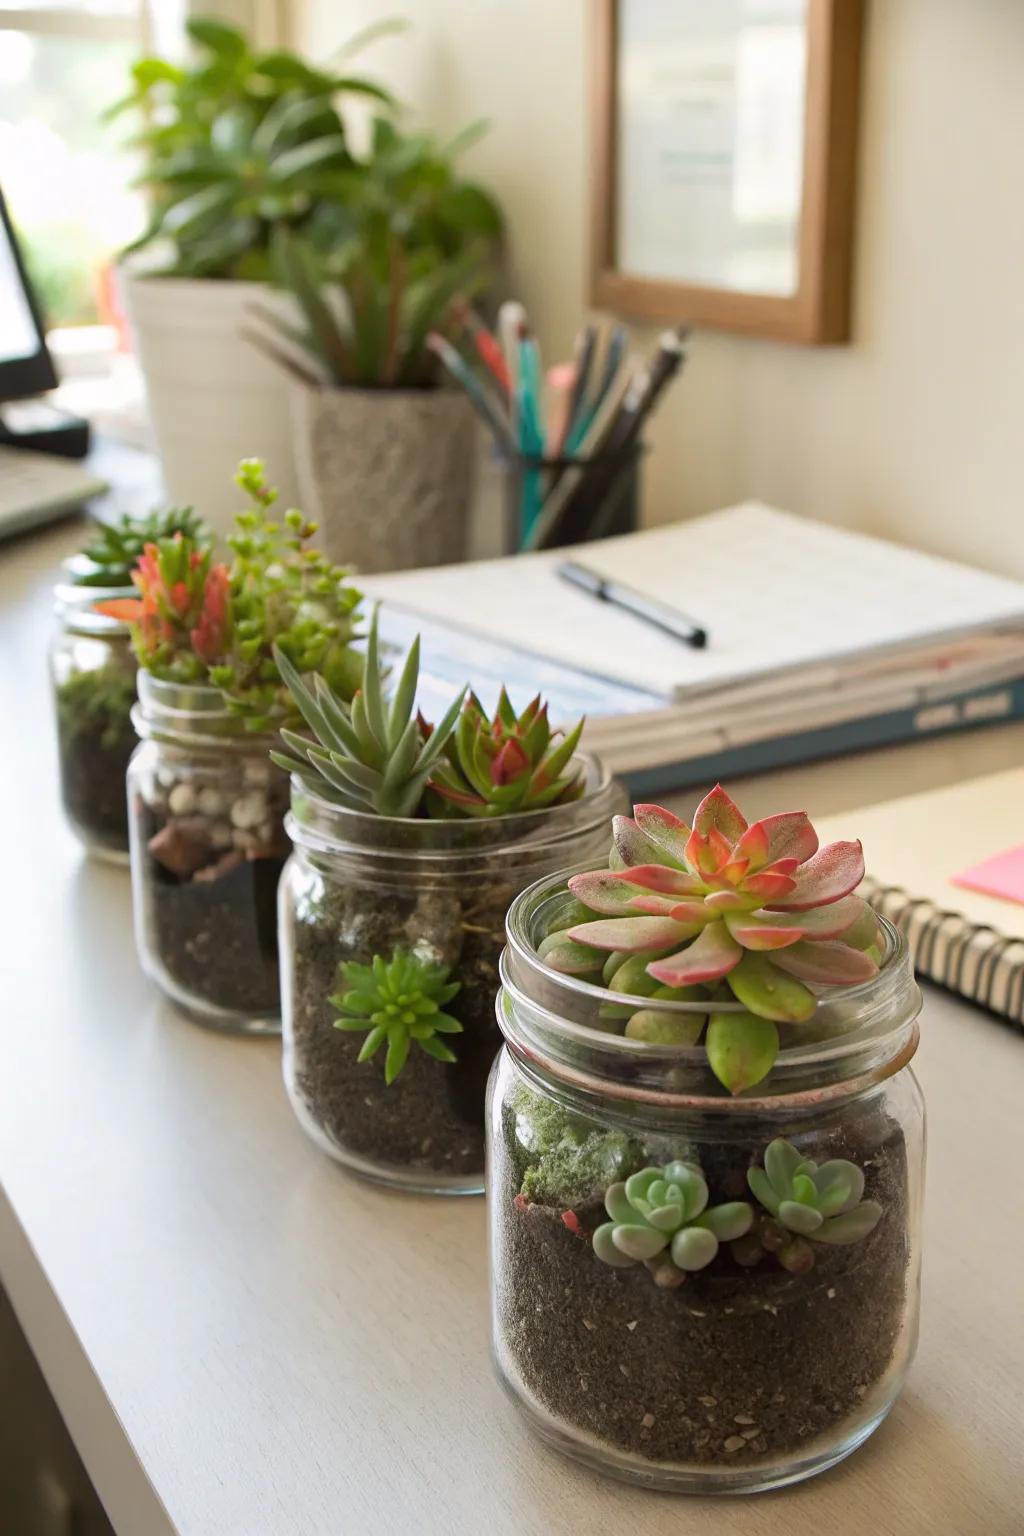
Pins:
x,y
693,1291
92,671
400,921
206,815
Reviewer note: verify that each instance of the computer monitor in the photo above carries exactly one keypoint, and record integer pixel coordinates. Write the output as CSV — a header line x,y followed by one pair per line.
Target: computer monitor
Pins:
x,y
26,367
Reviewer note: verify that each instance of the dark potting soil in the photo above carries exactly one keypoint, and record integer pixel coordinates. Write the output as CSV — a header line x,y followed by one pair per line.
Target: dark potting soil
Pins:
x,y
431,1117
734,1366
95,741
217,938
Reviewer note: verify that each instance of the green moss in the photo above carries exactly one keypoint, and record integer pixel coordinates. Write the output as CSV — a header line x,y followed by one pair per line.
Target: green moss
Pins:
x,y
96,703
566,1160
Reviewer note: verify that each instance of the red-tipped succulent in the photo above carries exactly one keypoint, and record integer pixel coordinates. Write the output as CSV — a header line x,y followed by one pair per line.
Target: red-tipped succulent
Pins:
x,y
180,616
754,912
511,763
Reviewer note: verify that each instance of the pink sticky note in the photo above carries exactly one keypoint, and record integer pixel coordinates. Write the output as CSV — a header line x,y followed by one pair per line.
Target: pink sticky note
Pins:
x,y
1002,875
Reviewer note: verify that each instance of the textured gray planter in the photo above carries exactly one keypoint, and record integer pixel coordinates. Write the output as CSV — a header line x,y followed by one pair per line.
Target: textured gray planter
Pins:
x,y
387,473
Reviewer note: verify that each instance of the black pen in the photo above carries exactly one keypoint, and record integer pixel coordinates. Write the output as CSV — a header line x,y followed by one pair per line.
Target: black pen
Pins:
x,y
647,609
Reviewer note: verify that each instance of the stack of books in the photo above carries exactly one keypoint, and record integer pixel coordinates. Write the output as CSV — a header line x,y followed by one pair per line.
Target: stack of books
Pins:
x,y
820,641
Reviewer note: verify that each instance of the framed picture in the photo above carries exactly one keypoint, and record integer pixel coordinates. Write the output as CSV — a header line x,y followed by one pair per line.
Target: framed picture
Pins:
x,y
724,160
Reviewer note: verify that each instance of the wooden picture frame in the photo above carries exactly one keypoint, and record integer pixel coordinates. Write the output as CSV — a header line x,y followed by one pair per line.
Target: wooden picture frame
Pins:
x,y
818,311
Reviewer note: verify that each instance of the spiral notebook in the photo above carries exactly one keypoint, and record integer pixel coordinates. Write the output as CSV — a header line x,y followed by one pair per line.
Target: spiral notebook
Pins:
x,y
934,862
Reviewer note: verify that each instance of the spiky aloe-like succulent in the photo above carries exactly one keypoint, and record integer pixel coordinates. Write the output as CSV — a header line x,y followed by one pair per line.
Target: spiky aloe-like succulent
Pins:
x,y
509,763
180,613
756,912
114,548
374,755
660,1217
400,1001
806,1200
286,595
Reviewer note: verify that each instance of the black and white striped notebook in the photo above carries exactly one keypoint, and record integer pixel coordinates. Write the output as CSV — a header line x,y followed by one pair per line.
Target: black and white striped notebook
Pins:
x,y
965,940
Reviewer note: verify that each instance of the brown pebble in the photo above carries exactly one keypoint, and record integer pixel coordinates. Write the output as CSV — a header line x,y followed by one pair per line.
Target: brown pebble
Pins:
x,y
709,1402
227,862
588,1324
631,1326
182,845
734,1443
624,1369
702,1438
751,1434
743,1418
648,1421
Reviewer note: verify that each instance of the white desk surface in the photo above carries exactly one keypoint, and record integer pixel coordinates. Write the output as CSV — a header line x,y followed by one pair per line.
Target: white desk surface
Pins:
x,y
245,1341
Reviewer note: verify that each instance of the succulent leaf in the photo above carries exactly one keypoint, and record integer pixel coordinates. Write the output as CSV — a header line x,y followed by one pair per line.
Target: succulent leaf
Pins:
x,y
822,1203
741,1049
659,1217
401,1001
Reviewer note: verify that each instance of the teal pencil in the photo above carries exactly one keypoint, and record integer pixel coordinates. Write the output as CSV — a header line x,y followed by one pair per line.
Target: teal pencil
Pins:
x,y
478,395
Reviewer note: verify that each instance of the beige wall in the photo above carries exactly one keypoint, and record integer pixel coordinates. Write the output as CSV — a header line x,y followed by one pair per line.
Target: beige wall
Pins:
x,y
915,430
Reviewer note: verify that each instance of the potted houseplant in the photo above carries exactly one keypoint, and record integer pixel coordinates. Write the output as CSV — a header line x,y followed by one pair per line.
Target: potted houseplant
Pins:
x,y
235,145
206,805
706,1154
385,453
92,670
409,843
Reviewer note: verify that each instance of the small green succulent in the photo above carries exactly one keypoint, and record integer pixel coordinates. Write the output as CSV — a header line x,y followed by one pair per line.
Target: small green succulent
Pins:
x,y
111,554
661,1209
400,1000
806,1200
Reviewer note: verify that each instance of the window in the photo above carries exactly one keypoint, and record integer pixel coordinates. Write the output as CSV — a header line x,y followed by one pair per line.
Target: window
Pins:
x,y
64,172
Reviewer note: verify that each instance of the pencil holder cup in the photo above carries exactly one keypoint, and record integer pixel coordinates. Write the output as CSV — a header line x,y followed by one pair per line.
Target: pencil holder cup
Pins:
x,y
552,503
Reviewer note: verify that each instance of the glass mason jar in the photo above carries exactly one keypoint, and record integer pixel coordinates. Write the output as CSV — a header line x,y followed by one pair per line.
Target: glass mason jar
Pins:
x,y
206,817
363,889
92,670
768,1360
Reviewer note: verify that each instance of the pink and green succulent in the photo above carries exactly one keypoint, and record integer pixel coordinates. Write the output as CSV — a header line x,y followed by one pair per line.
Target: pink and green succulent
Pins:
x,y
723,911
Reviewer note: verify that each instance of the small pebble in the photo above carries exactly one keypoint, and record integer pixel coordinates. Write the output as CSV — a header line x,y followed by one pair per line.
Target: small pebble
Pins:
x,y
743,1418
244,840
648,1421
588,1324
249,810
734,1443
220,835
266,832
624,1369
182,799
209,801
751,1434
830,1293
257,773
166,777
631,1326
709,1402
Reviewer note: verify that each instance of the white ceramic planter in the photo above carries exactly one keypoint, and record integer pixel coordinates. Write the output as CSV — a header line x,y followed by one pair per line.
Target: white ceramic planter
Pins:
x,y
387,473
213,397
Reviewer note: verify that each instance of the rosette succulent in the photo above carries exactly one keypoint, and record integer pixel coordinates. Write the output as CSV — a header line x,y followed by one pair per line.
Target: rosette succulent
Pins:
x,y
726,911
660,1217
374,756
399,1001
806,1200
114,549
508,763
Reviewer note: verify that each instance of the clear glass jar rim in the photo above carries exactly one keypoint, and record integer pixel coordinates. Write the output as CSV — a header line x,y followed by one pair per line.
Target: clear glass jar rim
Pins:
x,y
192,715
74,607
882,1039
325,827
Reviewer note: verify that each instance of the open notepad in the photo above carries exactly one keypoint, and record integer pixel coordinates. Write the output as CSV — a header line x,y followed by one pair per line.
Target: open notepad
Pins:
x,y
787,603
965,940
820,638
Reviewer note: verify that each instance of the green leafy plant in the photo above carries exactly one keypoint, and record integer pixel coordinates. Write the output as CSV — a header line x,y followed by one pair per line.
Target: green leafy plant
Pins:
x,y
283,597
399,1001
720,911
236,143
510,763
193,621
806,1200
374,756
97,703
114,549
660,1217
